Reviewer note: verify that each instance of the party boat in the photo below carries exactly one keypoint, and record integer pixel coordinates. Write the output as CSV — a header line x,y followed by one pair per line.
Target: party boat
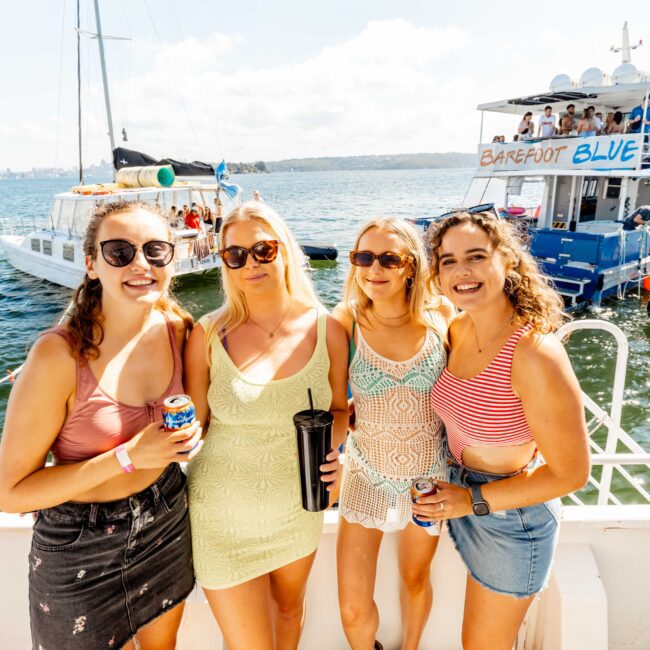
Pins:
x,y
584,187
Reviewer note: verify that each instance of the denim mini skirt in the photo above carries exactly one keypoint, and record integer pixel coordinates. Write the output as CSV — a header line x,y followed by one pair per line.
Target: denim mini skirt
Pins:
x,y
100,571
511,551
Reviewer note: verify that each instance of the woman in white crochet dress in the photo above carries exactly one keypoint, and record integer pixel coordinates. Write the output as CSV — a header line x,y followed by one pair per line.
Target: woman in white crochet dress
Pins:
x,y
396,327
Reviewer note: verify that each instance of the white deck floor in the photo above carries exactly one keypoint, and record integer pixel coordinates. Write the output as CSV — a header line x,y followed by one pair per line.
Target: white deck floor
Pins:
x,y
598,598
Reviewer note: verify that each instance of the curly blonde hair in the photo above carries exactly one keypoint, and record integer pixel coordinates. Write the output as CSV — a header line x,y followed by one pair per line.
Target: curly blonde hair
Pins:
x,y
424,301
532,297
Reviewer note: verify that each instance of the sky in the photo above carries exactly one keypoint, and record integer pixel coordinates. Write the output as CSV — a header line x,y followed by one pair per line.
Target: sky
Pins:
x,y
252,80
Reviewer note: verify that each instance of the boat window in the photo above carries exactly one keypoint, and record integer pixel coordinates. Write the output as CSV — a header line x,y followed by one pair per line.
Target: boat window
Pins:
x,y
590,187
612,188
68,251
47,247
64,220
36,245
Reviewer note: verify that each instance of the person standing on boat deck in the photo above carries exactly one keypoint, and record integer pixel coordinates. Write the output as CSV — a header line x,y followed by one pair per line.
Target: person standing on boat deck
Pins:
x,y
111,556
248,368
507,397
586,125
597,118
636,119
526,128
396,327
568,121
617,125
547,124
640,217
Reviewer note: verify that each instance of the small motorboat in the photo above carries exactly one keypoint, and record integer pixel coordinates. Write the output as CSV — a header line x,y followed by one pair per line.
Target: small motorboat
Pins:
x,y
318,251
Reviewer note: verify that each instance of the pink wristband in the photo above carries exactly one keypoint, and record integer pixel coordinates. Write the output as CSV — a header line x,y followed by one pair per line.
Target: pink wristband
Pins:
x,y
123,459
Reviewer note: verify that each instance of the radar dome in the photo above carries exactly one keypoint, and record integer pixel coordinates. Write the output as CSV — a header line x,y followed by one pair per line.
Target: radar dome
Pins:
x,y
561,82
627,73
593,77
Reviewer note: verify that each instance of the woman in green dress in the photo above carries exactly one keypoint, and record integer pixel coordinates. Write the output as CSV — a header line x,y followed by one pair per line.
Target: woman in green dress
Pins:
x,y
248,367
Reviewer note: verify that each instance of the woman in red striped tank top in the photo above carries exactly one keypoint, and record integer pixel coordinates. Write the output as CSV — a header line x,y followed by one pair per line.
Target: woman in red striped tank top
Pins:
x,y
507,397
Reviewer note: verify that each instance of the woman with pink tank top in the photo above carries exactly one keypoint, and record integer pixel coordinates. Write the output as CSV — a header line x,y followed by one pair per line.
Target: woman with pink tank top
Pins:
x,y
111,561
507,397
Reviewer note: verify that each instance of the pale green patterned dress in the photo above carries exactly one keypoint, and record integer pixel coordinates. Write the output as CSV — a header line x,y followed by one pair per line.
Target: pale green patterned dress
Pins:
x,y
244,487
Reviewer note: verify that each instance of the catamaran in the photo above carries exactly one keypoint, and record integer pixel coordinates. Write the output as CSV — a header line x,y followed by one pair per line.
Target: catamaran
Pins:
x,y
54,252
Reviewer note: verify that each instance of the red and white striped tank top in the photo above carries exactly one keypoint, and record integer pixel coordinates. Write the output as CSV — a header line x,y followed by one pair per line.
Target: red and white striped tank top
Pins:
x,y
482,410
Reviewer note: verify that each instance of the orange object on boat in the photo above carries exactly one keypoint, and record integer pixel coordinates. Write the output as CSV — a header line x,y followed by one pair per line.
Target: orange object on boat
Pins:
x,y
646,283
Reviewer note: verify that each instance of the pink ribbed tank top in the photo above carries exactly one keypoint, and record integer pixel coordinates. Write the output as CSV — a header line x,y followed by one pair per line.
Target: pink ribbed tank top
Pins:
x,y
482,410
99,423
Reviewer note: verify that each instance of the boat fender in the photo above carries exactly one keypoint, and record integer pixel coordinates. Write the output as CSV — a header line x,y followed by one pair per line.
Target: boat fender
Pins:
x,y
646,283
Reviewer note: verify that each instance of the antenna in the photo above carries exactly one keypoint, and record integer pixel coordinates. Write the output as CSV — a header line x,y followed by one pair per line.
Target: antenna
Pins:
x,y
625,47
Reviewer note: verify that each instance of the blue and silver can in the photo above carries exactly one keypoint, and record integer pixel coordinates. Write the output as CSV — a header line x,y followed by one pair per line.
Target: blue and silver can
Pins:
x,y
422,487
177,412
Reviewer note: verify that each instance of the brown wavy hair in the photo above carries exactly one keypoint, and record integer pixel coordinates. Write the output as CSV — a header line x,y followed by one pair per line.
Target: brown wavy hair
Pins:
x,y
85,313
533,299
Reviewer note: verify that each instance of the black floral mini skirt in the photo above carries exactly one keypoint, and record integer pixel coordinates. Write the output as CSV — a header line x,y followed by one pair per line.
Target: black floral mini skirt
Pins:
x,y
100,571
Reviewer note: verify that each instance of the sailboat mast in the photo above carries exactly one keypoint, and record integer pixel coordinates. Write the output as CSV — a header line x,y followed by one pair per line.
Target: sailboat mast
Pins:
x,y
102,60
81,169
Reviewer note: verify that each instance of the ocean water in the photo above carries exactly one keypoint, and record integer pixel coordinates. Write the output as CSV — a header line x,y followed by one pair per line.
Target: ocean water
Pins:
x,y
328,207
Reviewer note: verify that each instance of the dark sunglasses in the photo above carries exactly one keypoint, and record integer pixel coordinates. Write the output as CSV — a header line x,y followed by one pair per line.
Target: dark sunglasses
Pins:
x,y
264,252
388,259
121,252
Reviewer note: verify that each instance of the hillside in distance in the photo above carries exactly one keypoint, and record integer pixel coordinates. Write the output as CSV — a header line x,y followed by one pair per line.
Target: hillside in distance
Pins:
x,y
389,161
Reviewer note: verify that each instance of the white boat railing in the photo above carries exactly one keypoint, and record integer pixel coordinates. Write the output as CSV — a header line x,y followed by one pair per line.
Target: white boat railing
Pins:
x,y
610,457
21,226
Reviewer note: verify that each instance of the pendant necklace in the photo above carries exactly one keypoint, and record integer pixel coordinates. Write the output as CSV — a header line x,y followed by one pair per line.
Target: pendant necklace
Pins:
x,y
481,350
272,332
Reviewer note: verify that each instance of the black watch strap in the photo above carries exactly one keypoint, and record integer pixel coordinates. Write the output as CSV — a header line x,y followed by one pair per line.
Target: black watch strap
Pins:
x,y
479,506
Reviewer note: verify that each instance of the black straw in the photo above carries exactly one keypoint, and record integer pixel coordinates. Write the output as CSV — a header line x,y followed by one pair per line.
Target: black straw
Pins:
x,y
311,402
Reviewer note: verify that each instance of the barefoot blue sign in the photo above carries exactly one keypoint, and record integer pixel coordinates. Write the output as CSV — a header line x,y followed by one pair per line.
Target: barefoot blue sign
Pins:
x,y
597,153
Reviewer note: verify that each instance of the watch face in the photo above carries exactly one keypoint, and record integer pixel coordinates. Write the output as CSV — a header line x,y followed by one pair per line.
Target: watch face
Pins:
x,y
481,508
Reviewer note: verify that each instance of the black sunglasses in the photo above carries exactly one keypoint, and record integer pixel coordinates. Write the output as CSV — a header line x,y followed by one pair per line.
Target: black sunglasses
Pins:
x,y
388,259
121,252
264,252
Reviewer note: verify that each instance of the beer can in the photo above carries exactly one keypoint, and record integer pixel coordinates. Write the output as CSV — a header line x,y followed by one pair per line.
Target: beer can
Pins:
x,y
177,412
422,487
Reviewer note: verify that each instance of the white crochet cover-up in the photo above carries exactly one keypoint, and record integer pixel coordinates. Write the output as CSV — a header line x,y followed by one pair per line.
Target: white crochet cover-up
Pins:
x,y
398,436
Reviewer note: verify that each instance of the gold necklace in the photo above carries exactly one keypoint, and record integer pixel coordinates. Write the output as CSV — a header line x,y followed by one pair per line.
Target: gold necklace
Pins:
x,y
379,318
272,332
485,347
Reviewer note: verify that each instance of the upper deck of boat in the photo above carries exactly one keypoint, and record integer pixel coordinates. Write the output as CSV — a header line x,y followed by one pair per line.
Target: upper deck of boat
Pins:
x,y
624,155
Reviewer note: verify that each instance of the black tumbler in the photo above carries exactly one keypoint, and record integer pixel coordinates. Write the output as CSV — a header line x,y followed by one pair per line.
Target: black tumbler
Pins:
x,y
314,433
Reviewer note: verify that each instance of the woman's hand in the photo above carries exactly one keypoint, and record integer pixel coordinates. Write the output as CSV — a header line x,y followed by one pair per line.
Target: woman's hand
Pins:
x,y
331,470
449,502
154,447
331,474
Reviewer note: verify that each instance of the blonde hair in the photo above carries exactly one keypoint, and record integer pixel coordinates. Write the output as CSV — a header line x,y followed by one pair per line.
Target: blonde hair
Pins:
x,y
234,310
534,301
424,302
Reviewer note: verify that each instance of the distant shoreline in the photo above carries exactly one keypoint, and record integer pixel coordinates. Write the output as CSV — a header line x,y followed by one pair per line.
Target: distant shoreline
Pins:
x,y
395,162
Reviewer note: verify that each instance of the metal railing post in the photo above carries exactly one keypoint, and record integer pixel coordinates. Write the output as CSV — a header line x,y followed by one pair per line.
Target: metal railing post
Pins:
x,y
614,421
